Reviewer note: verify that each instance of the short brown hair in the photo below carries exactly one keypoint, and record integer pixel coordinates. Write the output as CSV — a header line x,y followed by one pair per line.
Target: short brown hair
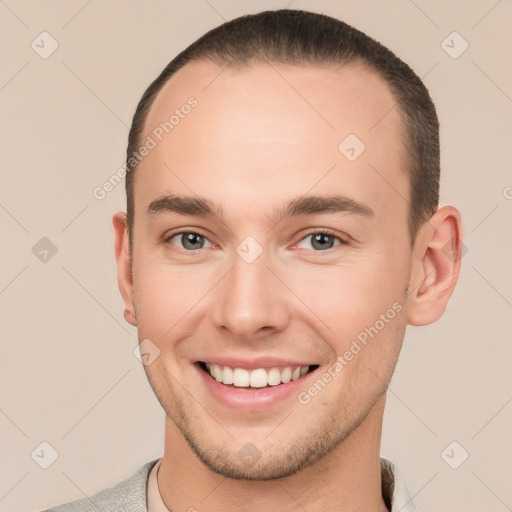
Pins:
x,y
300,38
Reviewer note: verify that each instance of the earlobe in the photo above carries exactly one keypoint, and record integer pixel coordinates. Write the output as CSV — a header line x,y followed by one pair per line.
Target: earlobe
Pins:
x,y
436,266
129,316
124,265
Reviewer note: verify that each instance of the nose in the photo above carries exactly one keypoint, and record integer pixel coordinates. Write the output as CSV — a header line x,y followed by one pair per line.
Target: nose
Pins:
x,y
250,301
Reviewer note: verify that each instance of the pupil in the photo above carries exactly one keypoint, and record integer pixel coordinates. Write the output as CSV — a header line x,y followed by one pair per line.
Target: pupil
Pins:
x,y
191,241
324,240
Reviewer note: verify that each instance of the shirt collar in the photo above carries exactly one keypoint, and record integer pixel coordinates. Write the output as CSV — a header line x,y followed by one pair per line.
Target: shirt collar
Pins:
x,y
394,490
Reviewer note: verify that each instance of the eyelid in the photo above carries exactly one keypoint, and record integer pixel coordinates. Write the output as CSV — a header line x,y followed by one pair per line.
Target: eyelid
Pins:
x,y
313,231
326,231
167,238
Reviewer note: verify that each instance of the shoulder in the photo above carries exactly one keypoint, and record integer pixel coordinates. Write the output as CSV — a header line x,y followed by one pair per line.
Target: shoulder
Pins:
x,y
129,495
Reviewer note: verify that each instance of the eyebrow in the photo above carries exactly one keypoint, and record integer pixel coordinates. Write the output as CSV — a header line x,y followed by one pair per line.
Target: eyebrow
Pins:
x,y
304,205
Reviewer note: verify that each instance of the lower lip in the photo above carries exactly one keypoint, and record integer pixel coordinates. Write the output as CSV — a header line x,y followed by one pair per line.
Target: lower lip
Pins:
x,y
252,399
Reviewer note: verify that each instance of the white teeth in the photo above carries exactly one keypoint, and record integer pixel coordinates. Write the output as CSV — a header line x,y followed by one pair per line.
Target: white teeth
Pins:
x,y
240,377
258,378
286,375
216,372
274,377
227,375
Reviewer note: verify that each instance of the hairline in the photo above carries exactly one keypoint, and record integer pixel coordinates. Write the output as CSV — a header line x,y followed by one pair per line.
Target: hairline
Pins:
x,y
405,159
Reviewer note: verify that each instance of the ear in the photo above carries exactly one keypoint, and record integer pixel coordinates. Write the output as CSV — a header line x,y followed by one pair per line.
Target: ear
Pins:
x,y
435,267
124,265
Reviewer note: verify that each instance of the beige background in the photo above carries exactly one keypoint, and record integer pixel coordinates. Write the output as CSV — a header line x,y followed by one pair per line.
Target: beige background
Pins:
x,y
68,373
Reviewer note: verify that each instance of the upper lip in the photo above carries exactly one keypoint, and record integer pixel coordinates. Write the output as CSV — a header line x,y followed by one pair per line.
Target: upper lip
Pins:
x,y
253,363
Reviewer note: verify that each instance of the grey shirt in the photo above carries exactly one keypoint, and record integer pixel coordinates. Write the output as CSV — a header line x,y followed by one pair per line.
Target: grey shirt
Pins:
x,y
131,494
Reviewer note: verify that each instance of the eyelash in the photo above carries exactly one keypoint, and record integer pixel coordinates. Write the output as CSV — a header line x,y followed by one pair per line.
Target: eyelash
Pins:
x,y
325,231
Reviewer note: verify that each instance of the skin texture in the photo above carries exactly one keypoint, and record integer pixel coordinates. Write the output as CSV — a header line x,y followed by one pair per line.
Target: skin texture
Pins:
x,y
258,137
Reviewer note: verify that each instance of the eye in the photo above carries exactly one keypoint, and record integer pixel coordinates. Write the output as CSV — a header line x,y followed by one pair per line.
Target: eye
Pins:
x,y
322,240
189,240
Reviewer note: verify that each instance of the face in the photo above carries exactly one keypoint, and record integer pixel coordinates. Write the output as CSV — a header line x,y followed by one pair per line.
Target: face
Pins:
x,y
295,253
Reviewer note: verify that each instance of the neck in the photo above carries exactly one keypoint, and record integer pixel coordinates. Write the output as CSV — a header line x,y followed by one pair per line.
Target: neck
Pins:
x,y
347,479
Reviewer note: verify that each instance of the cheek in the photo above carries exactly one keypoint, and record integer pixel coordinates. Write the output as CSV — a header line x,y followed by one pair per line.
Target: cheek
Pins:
x,y
163,294
170,299
344,300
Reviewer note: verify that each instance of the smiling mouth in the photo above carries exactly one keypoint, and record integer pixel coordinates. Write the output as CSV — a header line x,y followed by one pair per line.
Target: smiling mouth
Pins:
x,y
257,378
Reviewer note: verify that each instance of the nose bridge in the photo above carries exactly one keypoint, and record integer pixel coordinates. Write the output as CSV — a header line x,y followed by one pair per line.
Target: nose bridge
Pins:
x,y
250,298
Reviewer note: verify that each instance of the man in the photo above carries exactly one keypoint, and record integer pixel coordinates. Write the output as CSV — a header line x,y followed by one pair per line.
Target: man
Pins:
x,y
282,230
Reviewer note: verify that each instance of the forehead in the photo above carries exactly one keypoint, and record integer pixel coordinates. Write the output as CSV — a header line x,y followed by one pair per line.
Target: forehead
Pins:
x,y
256,132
